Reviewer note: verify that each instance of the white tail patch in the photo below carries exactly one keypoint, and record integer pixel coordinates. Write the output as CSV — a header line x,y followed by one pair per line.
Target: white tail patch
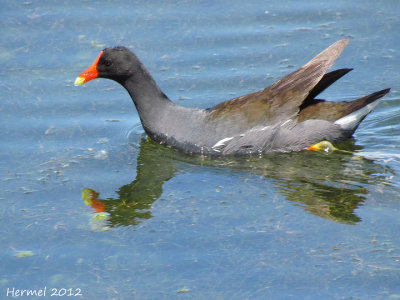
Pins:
x,y
351,121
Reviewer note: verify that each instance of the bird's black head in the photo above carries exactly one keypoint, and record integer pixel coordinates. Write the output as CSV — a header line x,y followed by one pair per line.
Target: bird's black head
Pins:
x,y
116,63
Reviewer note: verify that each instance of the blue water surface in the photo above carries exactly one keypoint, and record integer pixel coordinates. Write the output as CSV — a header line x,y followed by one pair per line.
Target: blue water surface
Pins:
x,y
88,203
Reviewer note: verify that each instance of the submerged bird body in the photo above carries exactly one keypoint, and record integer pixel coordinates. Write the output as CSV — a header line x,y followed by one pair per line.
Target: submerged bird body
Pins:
x,y
283,117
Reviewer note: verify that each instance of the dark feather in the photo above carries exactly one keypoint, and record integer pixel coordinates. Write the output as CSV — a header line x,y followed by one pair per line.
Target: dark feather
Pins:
x,y
325,82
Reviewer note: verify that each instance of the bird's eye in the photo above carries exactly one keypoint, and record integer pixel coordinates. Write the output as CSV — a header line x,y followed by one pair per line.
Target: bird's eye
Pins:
x,y
107,62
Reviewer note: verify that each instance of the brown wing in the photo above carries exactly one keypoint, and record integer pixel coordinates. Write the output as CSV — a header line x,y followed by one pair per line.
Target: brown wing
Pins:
x,y
281,100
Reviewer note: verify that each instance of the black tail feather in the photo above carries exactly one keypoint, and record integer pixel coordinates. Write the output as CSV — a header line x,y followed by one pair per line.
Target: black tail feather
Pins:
x,y
372,97
326,81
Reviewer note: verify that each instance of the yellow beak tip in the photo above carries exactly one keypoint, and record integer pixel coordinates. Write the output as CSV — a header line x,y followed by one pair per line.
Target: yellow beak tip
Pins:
x,y
79,80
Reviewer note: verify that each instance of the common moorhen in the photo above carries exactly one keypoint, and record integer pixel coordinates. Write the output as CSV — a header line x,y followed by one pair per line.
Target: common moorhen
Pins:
x,y
283,117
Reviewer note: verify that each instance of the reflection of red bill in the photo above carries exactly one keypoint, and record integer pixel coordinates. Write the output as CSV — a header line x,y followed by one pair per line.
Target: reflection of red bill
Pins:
x,y
90,198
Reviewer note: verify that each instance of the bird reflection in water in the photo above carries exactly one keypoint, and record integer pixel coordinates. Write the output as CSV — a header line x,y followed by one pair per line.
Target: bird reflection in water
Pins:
x,y
328,185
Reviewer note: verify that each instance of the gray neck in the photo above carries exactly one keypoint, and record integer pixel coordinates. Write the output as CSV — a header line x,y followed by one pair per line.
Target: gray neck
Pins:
x,y
151,103
163,120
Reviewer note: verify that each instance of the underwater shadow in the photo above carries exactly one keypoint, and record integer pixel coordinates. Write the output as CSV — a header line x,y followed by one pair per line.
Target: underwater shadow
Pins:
x,y
330,186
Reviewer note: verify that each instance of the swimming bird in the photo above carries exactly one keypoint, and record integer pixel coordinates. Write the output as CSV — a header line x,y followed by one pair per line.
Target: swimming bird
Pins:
x,y
283,117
